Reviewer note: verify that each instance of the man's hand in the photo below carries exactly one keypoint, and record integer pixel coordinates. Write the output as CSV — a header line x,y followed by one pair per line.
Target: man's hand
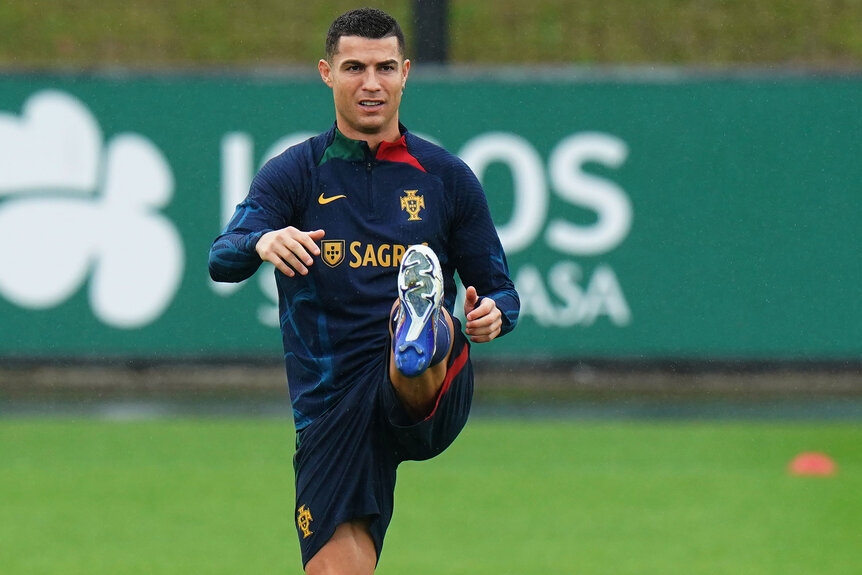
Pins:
x,y
484,321
289,249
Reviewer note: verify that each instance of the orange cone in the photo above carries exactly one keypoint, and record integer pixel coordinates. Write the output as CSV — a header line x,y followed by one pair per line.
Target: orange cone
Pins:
x,y
812,463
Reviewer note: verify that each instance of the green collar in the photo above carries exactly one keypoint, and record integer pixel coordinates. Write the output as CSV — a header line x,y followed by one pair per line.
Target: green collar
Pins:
x,y
344,148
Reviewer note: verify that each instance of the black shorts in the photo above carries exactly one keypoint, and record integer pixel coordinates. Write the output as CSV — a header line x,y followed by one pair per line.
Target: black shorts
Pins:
x,y
345,461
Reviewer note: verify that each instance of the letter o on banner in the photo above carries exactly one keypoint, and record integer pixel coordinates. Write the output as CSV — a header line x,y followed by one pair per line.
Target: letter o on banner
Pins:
x,y
531,198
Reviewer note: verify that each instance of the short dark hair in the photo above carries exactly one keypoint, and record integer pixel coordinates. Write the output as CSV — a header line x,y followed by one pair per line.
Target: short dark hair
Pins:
x,y
365,23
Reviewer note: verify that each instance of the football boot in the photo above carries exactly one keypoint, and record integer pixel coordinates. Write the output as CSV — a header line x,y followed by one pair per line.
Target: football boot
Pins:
x,y
420,293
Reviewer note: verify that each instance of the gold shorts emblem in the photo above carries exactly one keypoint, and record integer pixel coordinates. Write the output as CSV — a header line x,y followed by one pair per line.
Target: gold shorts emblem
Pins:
x,y
303,521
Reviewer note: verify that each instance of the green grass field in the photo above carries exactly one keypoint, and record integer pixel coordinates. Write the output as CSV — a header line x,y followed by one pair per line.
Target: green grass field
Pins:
x,y
518,496
215,33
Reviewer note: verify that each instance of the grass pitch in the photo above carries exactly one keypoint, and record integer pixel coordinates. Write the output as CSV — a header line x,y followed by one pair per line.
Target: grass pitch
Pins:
x,y
147,34
516,496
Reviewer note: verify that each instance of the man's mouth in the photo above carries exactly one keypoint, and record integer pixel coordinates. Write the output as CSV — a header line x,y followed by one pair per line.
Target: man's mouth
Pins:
x,y
370,103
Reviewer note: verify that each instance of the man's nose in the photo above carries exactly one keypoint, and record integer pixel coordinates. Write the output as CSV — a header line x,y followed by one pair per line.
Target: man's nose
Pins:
x,y
371,82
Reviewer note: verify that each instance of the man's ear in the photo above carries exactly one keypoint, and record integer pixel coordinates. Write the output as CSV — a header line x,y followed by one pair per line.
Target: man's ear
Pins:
x,y
405,67
325,72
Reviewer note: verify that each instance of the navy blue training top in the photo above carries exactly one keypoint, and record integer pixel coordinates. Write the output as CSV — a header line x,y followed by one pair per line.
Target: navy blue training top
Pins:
x,y
334,321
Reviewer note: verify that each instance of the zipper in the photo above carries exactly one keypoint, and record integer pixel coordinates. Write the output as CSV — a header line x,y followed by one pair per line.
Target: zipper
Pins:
x,y
369,175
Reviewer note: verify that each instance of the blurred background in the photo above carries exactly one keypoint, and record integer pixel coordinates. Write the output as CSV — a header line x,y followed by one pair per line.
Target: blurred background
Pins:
x,y
677,186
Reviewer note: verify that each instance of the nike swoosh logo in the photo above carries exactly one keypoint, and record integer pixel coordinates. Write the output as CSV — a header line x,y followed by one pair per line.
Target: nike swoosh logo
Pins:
x,y
323,201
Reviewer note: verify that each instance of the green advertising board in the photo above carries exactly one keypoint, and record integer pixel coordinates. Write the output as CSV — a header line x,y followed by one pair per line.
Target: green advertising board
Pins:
x,y
663,217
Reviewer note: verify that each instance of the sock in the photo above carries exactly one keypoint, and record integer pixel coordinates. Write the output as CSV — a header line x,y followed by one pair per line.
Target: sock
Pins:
x,y
442,342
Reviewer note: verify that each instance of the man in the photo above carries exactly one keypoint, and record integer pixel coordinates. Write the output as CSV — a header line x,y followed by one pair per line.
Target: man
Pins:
x,y
366,225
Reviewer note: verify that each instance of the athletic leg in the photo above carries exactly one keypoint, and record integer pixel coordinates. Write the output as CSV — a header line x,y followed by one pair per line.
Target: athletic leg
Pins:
x,y
422,336
419,393
345,480
427,434
350,551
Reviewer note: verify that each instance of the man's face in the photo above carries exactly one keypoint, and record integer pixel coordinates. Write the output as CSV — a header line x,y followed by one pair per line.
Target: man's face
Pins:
x,y
367,77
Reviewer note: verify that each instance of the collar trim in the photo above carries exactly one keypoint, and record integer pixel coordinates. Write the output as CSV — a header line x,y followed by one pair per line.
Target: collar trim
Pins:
x,y
350,150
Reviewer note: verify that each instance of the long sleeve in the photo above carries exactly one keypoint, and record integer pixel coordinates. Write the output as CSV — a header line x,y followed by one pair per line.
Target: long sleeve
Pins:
x,y
478,255
233,257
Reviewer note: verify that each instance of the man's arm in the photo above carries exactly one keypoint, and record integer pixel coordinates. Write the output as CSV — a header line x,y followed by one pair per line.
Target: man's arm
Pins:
x,y
268,207
236,254
492,304
233,256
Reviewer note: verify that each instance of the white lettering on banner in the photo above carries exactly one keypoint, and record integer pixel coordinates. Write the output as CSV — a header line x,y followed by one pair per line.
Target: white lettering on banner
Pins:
x,y
237,166
237,149
530,210
99,197
531,200
237,171
563,297
62,185
571,304
237,163
603,294
566,298
609,201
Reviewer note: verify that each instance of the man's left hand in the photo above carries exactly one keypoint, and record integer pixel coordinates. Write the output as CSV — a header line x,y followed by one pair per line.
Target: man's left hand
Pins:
x,y
484,321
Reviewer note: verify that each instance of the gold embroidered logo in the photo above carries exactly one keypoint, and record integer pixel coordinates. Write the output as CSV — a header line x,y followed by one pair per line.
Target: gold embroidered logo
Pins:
x,y
323,201
303,521
333,252
412,203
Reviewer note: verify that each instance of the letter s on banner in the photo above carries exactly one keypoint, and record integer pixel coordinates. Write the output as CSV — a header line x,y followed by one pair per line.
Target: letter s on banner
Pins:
x,y
609,201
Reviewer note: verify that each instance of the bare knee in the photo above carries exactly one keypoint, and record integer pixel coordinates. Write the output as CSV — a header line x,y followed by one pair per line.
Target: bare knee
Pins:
x,y
350,551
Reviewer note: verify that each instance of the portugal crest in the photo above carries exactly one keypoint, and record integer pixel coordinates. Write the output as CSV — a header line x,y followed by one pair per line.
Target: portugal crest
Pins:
x,y
303,521
333,252
411,203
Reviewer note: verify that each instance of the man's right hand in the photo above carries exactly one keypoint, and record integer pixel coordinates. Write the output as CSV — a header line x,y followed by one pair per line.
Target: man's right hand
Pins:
x,y
289,249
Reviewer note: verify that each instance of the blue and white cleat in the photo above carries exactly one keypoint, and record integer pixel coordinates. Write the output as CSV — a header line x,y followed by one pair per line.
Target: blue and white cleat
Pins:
x,y
420,292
